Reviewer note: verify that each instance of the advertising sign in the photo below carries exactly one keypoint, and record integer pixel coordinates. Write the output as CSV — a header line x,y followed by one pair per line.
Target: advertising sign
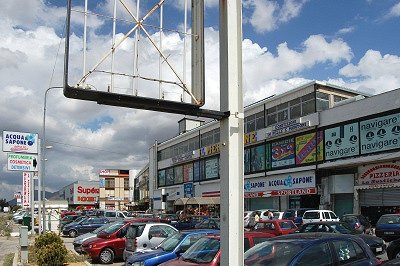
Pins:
x,y
188,190
26,189
102,182
178,172
258,158
20,142
309,148
188,172
196,171
22,162
18,197
282,153
383,173
250,137
212,168
286,127
85,194
109,172
169,176
286,192
161,178
281,182
341,141
247,160
380,134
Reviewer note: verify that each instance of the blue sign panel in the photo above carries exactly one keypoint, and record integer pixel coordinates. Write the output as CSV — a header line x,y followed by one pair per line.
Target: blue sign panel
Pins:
x,y
188,190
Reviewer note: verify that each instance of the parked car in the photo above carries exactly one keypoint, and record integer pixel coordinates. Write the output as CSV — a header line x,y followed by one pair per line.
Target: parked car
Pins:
x,y
20,218
206,251
263,213
249,218
84,226
68,219
276,227
107,229
388,227
393,249
188,223
140,236
18,215
77,243
358,222
65,212
375,243
212,223
311,249
171,248
278,215
295,214
319,216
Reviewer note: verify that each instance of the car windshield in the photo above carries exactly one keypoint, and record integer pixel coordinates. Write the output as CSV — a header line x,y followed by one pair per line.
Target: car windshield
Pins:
x,y
101,228
342,228
349,219
203,251
389,219
287,225
170,243
288,214
112,228
77,220
272,253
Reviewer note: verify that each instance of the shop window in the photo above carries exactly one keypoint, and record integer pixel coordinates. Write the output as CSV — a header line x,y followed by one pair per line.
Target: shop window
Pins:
x,y
295,111
250,123
161,178
247,161
178,174
211,168
169,176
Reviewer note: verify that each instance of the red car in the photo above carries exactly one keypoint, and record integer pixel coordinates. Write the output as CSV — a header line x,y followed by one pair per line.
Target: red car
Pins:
x,y
276,227
110,243
206,251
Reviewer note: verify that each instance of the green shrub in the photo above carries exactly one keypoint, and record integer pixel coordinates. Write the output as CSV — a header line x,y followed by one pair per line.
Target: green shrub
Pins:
x,y
50,250
47,239
51,255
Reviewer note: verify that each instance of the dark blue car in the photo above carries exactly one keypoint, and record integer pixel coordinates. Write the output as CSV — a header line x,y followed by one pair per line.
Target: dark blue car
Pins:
x,y
171,248
296,215
311,249
84,226
388,227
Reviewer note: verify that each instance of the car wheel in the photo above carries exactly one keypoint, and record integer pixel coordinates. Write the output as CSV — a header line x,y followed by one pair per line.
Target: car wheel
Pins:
x,y
72,233
106,256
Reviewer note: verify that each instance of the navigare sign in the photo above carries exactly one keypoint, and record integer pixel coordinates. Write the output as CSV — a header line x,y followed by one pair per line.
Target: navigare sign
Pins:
x,y
22,162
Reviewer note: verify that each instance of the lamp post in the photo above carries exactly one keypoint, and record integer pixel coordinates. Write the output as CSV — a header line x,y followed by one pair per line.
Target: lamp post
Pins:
x,y
43,148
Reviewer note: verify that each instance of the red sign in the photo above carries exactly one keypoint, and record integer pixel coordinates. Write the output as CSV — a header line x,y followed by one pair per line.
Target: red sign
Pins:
x,y
285,192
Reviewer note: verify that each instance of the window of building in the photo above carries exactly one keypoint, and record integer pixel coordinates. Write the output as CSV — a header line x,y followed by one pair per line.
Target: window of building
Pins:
x,y
322,101
210,137
337,98
250,123
260,119
272,117
109,183
126,183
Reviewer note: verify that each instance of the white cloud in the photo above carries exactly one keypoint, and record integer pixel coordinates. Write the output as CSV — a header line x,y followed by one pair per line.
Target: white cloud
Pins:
x,y
374,72
346,30
268,15
394,11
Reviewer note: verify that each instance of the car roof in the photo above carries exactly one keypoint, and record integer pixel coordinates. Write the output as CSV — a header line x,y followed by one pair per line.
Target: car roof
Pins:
x,y
199,231
315,236
275,220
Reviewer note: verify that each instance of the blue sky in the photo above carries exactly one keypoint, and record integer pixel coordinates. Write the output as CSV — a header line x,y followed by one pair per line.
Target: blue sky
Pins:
x,y
286,43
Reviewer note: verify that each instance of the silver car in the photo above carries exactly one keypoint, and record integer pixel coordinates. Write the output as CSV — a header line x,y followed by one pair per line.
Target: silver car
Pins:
x,y
141,236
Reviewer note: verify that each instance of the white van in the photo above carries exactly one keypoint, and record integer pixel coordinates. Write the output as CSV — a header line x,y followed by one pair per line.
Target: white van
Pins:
x,y
319,216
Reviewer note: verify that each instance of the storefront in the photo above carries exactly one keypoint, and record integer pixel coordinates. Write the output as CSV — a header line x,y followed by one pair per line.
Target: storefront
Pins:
x,y
378,189
270,191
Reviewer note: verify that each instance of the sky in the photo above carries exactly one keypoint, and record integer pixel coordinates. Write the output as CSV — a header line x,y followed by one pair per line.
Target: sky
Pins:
x,y
286,43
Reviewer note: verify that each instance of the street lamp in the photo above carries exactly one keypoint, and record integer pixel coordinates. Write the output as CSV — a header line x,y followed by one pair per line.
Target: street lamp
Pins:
x,y
43,148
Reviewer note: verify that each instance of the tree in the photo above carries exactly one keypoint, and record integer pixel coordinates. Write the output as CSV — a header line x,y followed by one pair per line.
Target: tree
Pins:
x,y
3,203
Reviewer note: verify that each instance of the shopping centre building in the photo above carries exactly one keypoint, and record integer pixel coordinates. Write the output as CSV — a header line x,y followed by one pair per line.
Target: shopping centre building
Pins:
x,y
319,146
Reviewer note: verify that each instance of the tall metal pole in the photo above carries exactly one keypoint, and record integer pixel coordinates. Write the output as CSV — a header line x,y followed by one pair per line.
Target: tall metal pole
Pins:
x,y
40,176
43,158
231,95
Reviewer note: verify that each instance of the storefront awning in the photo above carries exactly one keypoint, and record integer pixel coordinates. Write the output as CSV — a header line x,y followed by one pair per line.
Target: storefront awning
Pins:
x,y
198,201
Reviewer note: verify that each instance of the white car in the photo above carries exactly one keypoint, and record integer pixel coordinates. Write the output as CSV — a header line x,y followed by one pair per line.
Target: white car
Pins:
x,y
249,218
140,236
319,216
264,214
278,215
